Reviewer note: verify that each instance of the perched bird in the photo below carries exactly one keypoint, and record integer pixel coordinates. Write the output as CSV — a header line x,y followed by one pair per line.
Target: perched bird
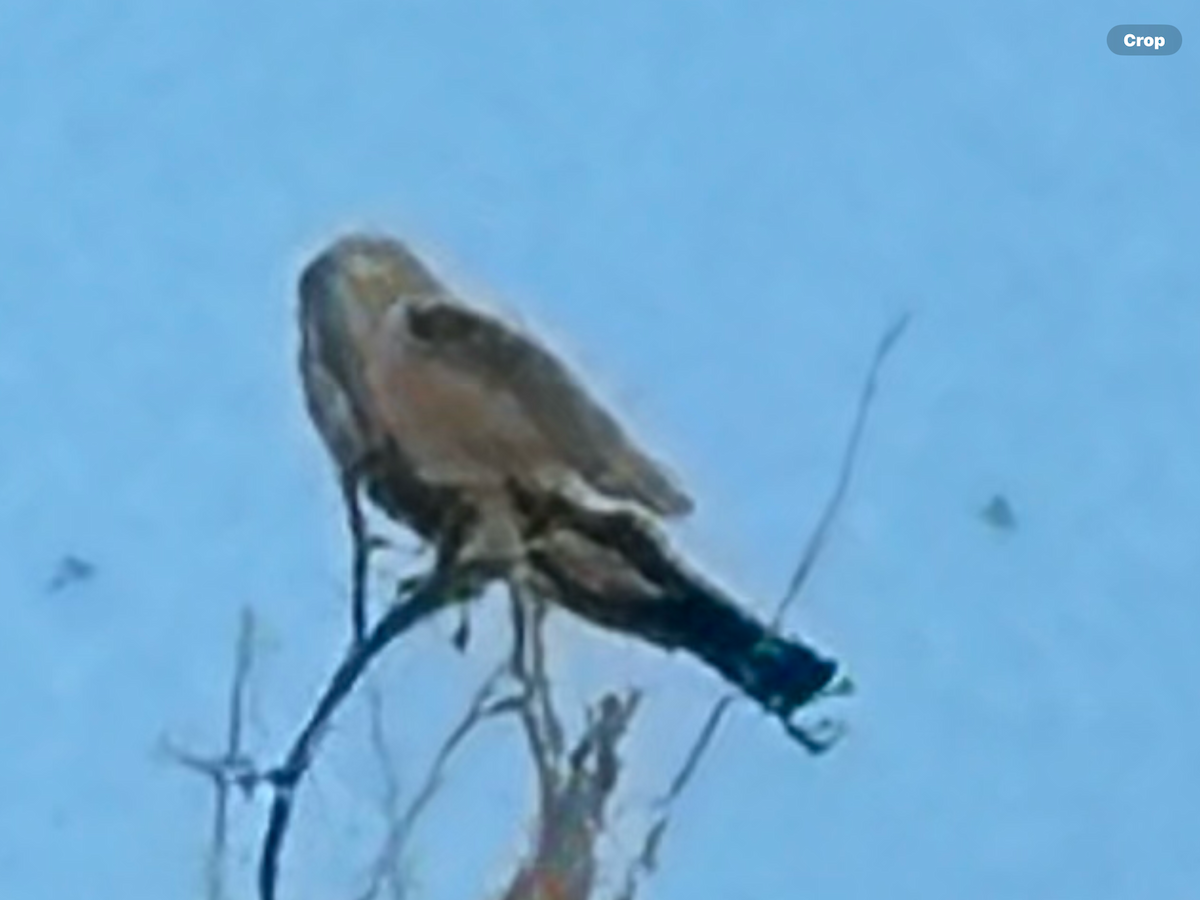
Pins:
x,y
389,354
466,429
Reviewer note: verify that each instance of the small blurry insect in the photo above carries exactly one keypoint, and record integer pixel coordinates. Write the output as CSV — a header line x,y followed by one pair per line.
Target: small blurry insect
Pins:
x,y
998,513
70,570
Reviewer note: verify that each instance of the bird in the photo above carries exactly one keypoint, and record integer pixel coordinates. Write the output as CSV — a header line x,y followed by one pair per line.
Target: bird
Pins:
x,y
471,432
390,354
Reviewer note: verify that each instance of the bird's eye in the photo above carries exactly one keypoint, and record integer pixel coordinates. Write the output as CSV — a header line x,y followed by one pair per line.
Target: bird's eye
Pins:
x,y
437,322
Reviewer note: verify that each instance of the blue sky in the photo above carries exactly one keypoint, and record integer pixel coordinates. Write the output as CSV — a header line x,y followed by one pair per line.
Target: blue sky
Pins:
x,y
715,209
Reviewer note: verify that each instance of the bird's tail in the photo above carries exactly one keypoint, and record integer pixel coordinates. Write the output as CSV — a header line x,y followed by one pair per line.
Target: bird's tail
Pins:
x,y
612,570
780,673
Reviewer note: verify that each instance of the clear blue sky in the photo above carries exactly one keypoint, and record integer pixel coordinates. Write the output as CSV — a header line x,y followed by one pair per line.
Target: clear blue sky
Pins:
x,y
715,208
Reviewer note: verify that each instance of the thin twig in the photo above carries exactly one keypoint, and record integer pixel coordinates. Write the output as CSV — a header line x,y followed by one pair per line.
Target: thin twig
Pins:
x,y
646,860
540,723
483,706
704,739
539,674
563,861
232,768
385,756
816,543
233,750
386,870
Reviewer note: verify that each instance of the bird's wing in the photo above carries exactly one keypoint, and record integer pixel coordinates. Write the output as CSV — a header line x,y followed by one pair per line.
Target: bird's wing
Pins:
x,y
583,434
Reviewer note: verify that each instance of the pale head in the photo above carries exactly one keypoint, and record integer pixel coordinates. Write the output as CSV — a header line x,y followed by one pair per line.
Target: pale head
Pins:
x,y
367,271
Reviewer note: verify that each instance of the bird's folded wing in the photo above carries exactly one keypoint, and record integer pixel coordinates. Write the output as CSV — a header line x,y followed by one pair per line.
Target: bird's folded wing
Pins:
x,y
584,434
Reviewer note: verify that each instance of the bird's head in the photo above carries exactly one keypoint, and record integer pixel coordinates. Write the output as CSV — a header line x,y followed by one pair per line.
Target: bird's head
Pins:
x,y
365,274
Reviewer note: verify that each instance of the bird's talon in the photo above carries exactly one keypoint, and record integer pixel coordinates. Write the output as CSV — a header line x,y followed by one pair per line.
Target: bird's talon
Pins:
x,y
817,737
842,686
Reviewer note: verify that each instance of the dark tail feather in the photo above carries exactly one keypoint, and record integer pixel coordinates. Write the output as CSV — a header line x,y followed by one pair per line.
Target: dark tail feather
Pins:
x,y
780,673
612,570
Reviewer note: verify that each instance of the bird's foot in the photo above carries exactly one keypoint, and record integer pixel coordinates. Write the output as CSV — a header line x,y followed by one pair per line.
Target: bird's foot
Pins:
x,y
841,686
816,737
821,681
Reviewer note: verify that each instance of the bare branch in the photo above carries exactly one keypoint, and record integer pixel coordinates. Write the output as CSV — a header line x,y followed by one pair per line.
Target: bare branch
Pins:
x,y
482,707
434,594
564,860
826,731
386,871
537,610
704,739
816,542
232,768
540,722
